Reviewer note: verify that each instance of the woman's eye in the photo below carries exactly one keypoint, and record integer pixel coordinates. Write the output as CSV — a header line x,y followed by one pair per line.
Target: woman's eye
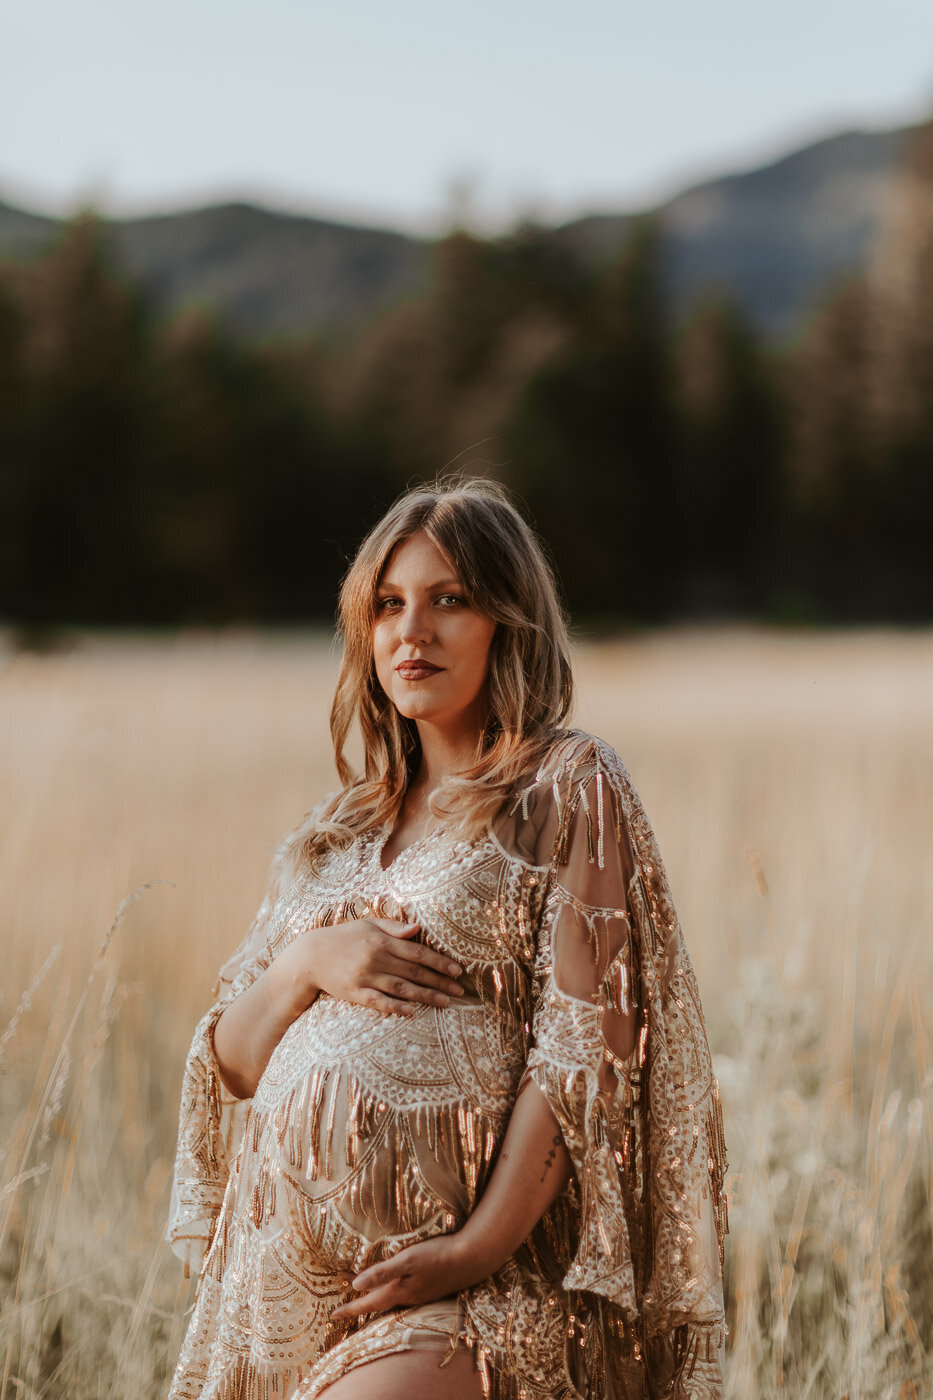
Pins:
x,y
393,604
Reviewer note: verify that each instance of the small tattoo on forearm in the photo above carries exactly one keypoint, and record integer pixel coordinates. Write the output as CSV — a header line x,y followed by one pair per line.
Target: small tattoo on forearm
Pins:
x,y
558,1139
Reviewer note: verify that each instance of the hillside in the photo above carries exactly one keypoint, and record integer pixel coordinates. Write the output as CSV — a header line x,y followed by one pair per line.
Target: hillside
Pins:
x,y
776,238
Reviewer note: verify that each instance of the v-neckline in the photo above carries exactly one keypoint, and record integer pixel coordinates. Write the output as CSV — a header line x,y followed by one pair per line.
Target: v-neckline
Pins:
x,y
383,838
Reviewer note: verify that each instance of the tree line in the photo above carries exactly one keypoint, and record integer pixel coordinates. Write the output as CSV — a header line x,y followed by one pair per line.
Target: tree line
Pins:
x,y
159,472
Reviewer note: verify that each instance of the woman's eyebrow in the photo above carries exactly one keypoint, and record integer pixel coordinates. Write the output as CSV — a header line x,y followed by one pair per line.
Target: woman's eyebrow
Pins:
x,y
388,586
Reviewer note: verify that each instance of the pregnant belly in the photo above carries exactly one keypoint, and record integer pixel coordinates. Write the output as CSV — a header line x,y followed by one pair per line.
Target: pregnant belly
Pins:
x,y
380,1130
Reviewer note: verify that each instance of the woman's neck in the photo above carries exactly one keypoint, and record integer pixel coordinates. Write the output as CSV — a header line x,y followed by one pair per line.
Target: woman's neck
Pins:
x,y
443,754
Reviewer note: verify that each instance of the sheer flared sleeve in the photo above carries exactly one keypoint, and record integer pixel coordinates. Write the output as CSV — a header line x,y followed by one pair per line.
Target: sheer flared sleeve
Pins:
x,y
211,1119
620,1051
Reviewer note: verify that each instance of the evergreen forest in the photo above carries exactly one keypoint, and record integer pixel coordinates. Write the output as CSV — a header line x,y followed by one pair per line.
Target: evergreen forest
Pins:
x,y
162,472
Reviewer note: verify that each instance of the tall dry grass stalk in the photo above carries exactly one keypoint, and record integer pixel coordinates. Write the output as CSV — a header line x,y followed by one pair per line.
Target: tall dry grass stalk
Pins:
x,y
791,784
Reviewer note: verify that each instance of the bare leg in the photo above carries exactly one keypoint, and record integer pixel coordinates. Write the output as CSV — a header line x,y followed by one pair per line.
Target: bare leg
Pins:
x,y
410,1375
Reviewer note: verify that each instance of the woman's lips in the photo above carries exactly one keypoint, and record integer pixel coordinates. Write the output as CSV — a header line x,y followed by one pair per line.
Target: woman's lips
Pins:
x,y
417,670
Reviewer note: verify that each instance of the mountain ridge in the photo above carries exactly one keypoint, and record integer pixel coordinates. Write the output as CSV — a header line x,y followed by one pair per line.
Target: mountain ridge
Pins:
x,y
775,238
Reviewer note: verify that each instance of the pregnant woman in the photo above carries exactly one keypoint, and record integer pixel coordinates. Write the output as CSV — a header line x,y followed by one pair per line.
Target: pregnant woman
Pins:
x,y
451,1128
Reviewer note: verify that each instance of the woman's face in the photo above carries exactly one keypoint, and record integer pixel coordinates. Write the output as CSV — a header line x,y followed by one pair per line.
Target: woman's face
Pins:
x,y
431,649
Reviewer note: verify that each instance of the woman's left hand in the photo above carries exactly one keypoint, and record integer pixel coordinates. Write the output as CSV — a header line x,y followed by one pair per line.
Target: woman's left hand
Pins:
x,y
422,1273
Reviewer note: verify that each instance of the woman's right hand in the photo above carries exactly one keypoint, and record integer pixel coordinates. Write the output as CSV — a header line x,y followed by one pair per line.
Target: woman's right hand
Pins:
x,y
370,961
375,963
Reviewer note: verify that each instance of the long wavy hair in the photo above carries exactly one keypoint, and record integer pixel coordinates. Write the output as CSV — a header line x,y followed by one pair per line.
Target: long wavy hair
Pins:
x,y
529,689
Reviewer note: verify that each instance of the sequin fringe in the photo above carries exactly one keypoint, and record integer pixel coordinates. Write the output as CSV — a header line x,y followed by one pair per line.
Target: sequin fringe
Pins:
x,y
304,1123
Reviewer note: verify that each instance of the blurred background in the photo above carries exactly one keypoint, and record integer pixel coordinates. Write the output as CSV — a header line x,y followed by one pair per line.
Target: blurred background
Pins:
x,y
668,276
666,272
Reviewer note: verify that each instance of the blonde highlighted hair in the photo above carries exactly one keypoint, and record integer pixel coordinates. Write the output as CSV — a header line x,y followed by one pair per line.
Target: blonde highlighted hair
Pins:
x,y
529,688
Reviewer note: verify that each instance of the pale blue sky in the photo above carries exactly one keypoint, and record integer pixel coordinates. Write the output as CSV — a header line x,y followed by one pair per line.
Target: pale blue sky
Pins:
x,y
376,110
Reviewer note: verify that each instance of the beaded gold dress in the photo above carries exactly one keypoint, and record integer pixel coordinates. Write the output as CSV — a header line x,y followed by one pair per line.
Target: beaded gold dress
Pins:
x,y
369,1132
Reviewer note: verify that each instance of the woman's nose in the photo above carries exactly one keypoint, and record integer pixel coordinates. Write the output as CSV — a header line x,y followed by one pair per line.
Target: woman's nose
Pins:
x,y
416,624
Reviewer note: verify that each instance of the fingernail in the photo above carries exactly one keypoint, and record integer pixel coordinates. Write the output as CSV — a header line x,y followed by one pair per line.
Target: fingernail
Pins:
x,y
442,1000
458,990
454,969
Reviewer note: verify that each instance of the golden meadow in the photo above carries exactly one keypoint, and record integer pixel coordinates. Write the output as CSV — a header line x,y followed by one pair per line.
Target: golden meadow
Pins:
x,y
790,781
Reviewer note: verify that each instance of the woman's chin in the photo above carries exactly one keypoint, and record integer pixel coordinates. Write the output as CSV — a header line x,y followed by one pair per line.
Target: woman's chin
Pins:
x,y
417,704
419,713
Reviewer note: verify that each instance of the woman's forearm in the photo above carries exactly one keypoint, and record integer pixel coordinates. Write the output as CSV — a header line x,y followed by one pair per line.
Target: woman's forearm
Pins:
x,y
250,1028
532,1168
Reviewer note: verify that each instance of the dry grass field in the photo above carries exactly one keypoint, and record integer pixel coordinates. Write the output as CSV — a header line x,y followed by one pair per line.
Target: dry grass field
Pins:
x,y
790,781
